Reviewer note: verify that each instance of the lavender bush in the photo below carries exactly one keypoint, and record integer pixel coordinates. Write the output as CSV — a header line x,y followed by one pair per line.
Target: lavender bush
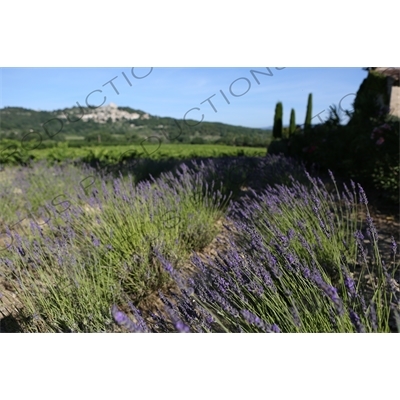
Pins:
x,y
296,265
296,260
99,249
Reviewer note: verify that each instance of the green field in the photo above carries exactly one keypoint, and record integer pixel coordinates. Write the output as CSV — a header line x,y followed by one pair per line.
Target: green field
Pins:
x,y
13,154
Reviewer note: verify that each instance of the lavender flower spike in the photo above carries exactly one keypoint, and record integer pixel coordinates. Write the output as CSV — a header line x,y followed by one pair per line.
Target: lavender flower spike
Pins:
x,y
363,196
355,319
394,246
274,329
123,320
181,327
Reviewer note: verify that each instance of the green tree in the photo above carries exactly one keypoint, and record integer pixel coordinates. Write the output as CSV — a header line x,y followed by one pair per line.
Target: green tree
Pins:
x,y
277,129
307,123
292,125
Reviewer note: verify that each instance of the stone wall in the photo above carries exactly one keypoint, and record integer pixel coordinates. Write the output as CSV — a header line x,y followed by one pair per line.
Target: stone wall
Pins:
x,y
395,101
392,75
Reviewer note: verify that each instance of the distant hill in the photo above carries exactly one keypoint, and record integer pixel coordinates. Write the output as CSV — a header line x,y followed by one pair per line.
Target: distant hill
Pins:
x,y
115,124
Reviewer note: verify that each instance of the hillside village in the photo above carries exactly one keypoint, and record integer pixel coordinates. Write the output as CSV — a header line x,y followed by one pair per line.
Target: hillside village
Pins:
x,y
108,113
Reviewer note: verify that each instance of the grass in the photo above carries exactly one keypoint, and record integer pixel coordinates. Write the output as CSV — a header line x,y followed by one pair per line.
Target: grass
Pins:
x,y
297,263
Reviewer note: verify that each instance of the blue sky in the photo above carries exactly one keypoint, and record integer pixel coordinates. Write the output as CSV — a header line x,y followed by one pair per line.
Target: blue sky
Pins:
x,y
172,92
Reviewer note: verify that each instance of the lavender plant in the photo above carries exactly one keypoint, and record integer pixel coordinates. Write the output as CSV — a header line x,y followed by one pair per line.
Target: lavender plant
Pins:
x,y
296,260
99,250
296,266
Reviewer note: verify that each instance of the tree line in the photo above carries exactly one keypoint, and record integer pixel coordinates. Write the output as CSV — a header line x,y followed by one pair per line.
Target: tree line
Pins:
x,y
279,132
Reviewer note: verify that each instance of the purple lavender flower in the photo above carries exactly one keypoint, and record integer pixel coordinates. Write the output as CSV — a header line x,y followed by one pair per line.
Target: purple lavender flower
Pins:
x,y
60,260
95,241
329,290
284,240
274,329
331,176
123,320
168,267
209,319
363,196
363,305
350,196
255,288
266,279
332,293
355,319
140,321
317,237
373,317
253,319
181,327
359,236
333,319
371,230
394,246
223,303
301,225
349,283
390,282
291,234
222,284
296,316
117,187
305,244
359,240
306,272
273,265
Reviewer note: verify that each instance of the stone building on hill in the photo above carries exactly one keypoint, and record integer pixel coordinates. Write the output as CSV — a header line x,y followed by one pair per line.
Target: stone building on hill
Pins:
x,y
393,79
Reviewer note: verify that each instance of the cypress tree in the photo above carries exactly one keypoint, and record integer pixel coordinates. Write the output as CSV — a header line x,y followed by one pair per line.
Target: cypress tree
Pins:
x,y
292,125
277,129
307,124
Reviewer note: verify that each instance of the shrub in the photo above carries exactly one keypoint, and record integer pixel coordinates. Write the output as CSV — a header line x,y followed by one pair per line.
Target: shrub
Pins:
x,y
298,264
99,249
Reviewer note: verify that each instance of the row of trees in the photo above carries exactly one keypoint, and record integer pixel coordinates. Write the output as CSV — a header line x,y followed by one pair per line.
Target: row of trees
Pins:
x,y
279,131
